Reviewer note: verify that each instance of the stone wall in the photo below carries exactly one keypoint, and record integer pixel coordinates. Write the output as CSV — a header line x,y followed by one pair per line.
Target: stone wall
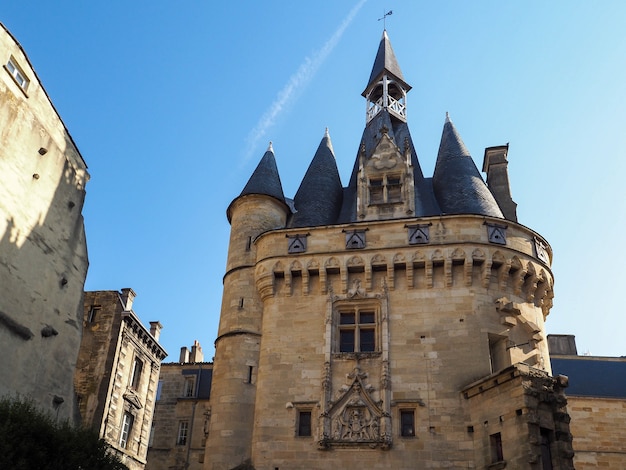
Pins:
x,y
599,433
43,255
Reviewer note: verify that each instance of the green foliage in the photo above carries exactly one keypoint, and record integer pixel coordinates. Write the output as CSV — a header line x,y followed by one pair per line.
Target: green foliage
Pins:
x,y
31,439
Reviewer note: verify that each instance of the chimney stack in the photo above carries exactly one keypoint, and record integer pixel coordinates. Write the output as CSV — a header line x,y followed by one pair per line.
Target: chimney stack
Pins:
x,y
184,355
128,295
495,165
196,352
155,329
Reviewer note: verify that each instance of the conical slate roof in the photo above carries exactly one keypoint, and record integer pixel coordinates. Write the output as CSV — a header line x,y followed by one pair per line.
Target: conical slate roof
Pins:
x,y
319,197
457,183
385,60
265,179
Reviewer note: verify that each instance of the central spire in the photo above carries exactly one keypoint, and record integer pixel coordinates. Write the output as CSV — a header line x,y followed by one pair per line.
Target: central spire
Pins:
x,y
386,88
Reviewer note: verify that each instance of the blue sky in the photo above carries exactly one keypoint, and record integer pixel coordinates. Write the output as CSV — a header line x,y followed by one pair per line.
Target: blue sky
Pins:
x,y
172,104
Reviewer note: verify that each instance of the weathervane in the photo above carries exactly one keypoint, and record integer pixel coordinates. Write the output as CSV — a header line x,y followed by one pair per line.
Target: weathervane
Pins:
x,y
384,18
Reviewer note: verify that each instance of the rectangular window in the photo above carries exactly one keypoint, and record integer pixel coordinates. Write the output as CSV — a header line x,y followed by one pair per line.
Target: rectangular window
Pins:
x,y
127,427
136,374
93,313
17,74
394,189
357,330
190,387
385,190
407,423
496,448
183,430
151,438
304,423
159,390
376,191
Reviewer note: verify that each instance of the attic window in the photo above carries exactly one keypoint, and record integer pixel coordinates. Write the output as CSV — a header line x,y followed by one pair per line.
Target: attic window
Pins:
x,y
17,74
385,190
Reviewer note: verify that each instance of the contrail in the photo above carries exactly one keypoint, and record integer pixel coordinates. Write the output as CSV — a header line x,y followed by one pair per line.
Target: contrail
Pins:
x,y
296,83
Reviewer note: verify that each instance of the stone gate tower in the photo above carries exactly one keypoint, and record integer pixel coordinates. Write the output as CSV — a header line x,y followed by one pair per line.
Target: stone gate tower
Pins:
x,y
397,322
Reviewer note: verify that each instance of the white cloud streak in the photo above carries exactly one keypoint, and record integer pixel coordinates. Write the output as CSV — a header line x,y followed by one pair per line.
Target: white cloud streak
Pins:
x,y
296,84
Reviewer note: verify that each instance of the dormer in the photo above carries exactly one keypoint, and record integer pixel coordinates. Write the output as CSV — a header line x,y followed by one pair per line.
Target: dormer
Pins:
x,y
386,88
385,181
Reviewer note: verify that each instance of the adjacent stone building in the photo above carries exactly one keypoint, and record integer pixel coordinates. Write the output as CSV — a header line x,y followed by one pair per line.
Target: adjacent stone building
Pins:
x,y
596,399
43,254
181,417
117,373
396,322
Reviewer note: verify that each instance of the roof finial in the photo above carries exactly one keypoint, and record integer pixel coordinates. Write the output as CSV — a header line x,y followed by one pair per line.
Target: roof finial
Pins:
x,y
326,134
384,18
447,117
270,148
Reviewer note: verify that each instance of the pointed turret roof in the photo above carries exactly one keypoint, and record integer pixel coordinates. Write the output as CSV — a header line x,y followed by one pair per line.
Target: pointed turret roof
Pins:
x,y
458,185
265,179
385,61
319,197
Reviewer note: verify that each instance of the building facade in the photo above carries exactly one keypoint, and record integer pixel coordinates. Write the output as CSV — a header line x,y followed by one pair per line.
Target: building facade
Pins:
x,y
596,399
181,417
117,374
397,322
43,254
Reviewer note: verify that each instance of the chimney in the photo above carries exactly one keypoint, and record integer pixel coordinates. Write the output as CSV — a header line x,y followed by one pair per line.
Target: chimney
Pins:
x,y
495,165
562,345
155,329
128,295
184,355
196,352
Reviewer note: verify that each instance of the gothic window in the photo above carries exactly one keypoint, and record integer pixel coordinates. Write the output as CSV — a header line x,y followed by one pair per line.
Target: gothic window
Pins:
x,y
136,374
357,329
386,189
127,427
407,423
183,431
304,423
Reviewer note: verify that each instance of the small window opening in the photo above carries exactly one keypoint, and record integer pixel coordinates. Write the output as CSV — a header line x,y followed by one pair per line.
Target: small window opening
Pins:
x,y
250,370
93,313
135,377
304,423
17,74
407,423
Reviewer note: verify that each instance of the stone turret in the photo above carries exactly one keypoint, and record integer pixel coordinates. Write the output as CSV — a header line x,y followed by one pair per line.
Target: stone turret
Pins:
x,y
259,208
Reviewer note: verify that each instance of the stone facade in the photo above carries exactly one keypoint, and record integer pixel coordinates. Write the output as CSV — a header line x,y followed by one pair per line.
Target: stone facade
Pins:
x,y
394,323
43,255
182,412
117,374
596,404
